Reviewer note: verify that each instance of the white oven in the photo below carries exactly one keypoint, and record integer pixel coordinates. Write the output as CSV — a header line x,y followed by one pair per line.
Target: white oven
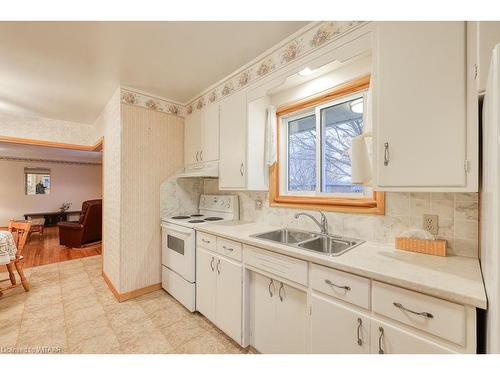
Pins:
x,y
178,263
178,254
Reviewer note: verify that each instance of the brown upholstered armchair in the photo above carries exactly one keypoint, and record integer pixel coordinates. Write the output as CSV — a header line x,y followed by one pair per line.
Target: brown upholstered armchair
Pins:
x,y
87,229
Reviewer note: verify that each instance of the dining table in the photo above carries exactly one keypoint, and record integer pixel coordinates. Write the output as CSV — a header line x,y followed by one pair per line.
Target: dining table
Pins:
x,y
8,247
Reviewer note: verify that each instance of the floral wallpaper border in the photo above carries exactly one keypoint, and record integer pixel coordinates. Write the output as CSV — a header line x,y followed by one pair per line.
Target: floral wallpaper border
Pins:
x,y
303,44
151,102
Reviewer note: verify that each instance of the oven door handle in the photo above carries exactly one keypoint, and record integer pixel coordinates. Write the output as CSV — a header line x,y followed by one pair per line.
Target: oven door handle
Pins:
x,y
177,229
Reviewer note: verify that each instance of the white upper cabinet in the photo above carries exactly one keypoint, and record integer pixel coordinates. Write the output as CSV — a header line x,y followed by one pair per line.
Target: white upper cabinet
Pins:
x,y
425,139
201,135
233,141
209,150
192,138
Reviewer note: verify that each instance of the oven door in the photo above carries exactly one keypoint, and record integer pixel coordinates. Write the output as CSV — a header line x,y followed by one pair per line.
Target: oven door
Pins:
x,y
178,250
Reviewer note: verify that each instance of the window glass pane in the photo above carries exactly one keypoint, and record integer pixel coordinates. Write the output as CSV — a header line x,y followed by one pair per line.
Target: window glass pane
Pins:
x,y
339,124
302,154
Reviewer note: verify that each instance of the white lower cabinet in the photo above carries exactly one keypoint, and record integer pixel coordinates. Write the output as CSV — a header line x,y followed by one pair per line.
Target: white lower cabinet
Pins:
x,y
390,339
219,292
338,329
279,315
206,283
322,310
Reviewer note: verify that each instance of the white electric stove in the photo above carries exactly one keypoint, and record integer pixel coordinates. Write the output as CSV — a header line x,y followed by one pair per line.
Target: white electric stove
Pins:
x,y
179,244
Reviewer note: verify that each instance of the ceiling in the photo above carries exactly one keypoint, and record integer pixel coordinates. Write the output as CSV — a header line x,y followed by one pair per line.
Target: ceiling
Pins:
x,y
68,70
48,153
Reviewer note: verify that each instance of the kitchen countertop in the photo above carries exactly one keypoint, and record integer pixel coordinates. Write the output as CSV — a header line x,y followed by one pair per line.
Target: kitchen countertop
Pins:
x,y
453,278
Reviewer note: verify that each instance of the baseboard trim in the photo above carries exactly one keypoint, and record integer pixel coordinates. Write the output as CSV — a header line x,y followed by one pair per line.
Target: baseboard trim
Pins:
x,y
133,293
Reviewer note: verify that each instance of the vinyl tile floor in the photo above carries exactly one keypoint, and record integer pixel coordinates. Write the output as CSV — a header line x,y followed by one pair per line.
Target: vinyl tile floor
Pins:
x,y
70,309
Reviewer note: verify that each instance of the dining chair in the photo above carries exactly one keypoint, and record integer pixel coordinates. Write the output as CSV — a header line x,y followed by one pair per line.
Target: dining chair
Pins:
x,y
20,232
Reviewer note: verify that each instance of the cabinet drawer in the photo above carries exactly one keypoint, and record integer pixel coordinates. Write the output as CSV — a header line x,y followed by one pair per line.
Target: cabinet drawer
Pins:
x,y
345,286
280,265
444,319
207,241
229,248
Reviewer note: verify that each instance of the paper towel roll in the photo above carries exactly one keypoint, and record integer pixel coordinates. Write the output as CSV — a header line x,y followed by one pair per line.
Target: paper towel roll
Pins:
x,y
361,169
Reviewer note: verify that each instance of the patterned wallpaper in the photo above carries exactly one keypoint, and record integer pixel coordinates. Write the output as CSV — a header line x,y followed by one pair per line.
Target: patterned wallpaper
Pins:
x,y
151,102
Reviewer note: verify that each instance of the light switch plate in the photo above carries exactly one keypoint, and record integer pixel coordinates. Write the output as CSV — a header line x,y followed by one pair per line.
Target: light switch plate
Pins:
x,y
430,223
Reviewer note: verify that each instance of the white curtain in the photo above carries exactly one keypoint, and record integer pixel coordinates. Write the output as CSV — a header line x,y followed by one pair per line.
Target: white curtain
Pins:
x,y
361,149
270,143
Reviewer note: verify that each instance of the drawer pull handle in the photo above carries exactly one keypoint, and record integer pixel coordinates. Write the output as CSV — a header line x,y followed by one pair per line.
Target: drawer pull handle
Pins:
x,y
241,169
279,292
197,152
380,336
386,154
424,314
360,323
212,264
205,241
347,288
218,266
269,288
227,248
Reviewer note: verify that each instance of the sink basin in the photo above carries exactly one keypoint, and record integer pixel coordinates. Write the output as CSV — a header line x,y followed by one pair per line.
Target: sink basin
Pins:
x,y
286,236
318,242
329,245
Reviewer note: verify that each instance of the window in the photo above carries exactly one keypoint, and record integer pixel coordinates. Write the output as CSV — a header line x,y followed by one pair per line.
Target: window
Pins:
x,y
314,167
37,181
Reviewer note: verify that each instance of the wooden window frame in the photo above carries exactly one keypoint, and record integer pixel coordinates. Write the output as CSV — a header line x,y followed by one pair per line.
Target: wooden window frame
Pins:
x,y
374,205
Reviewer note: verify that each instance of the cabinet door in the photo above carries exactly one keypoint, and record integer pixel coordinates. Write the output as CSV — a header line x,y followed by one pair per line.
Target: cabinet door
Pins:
x,y
291,318
228,307
206,279
192,137
337,329
394,340
419,104
263,314
233,134
209,148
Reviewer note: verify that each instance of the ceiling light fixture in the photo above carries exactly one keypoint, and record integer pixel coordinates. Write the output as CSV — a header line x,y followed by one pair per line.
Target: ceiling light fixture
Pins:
x,y
306,72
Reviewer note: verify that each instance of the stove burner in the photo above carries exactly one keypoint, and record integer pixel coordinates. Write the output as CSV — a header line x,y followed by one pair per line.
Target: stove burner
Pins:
x,y
196,221
180,217
197,215
213,218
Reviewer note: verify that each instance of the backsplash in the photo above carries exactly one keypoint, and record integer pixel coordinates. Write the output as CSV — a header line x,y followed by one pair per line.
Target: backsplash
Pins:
x,y
458,217
458,213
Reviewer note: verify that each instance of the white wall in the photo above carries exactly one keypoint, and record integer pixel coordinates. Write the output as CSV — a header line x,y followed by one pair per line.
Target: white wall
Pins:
x,y
69,183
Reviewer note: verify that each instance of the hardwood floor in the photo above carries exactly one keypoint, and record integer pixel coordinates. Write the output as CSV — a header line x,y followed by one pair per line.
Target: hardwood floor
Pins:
x,y
45,249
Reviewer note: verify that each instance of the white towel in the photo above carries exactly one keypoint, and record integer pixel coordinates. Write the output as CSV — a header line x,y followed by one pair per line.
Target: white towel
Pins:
x,y
361,149
361,169
270,142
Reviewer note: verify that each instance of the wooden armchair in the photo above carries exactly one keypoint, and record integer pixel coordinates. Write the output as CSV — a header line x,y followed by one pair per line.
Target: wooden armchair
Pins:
x,y
20,232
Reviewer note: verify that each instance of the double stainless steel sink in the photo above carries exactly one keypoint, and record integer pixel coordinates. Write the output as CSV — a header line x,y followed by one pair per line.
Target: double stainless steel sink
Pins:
x,y
321,243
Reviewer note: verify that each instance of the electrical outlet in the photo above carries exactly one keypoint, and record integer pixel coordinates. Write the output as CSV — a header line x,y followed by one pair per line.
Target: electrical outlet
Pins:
x,y
430,223
259,204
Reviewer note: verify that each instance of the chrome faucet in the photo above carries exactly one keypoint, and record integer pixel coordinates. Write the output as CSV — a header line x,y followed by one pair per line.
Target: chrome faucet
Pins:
x,y
323,225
